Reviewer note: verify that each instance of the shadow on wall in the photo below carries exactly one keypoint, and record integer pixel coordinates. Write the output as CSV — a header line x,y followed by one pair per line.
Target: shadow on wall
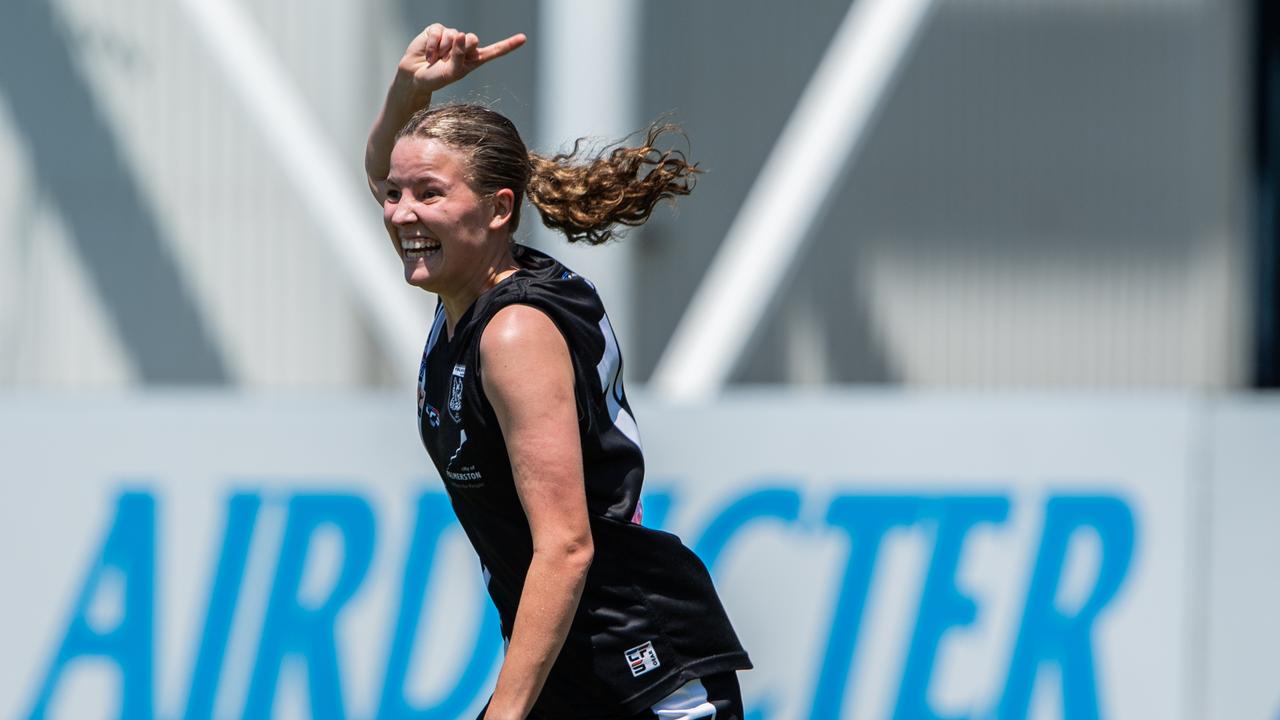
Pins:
x,y
79,164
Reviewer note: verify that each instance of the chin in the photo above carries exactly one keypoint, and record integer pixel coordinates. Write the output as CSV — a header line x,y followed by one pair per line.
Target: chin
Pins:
x,y
417,276
419,281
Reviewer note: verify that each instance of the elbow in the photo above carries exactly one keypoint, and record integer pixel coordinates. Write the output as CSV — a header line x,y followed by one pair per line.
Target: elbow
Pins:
x,y
580,555
572,554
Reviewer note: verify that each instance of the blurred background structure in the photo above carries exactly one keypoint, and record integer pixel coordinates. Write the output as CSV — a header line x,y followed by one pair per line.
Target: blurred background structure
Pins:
x,y
1064,215
1061,194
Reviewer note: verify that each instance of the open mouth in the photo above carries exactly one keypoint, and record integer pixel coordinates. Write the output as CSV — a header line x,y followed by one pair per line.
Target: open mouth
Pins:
x,y
418,247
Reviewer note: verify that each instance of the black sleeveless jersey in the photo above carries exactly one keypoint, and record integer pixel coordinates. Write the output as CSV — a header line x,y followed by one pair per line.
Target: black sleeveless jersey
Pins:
x,y
649,619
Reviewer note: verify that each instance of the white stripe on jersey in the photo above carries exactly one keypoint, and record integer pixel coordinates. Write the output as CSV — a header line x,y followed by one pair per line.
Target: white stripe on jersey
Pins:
x,y
610,369
436,327
688,703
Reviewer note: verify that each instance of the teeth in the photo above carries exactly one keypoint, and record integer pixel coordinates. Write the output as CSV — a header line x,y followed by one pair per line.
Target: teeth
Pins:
x,y
418,244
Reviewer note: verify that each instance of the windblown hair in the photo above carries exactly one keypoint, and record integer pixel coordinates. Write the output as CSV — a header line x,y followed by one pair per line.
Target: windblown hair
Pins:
x,y
580,194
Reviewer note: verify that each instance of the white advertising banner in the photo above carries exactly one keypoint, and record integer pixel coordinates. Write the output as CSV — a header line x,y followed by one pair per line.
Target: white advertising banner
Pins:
x,y
881,555
1243,662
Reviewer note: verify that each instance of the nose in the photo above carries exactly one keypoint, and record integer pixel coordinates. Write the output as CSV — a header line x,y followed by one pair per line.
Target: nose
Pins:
x,y
402,214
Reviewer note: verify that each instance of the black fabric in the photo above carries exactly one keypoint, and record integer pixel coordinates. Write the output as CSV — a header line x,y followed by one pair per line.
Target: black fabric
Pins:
x,y
644,586
723,693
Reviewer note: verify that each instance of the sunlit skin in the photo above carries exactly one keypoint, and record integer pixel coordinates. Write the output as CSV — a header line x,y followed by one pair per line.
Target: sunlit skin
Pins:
x,y
427,197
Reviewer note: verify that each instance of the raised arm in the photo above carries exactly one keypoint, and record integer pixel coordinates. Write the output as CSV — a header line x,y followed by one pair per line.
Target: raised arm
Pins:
x,y
435,58
528,377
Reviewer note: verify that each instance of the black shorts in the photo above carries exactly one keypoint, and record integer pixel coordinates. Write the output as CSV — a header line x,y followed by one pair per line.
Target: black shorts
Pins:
x,y
714,697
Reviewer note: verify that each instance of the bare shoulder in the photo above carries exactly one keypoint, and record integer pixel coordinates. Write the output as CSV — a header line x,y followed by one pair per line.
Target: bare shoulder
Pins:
x,y
521,347
519,328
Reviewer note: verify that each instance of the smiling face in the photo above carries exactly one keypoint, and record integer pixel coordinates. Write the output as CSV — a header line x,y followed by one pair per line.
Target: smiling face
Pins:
x,y
448,236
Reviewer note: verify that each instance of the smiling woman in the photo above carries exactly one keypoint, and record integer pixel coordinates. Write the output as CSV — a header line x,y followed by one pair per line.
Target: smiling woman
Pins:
x,y
458,174
522,408
440,223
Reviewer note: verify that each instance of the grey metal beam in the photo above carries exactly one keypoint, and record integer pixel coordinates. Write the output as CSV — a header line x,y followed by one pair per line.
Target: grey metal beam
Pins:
x,y
790,196
81,167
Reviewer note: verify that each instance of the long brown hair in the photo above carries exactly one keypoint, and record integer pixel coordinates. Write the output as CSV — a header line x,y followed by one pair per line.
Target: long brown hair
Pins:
x,y
583,195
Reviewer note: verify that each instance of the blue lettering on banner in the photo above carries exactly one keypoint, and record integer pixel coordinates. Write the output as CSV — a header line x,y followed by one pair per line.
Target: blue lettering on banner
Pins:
x,y
1050,635
303,629
865,519
782,504
942,606
242,513
435,516
291,628
129,551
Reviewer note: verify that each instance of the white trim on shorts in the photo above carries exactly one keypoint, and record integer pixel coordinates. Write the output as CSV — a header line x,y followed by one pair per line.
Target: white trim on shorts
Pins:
x,y
690,702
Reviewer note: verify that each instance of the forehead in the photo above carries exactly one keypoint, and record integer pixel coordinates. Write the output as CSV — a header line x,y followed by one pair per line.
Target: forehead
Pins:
x,y
413,159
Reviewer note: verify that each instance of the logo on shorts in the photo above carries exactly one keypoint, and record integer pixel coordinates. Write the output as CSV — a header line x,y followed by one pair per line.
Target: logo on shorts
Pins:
x,y
455,392
642,659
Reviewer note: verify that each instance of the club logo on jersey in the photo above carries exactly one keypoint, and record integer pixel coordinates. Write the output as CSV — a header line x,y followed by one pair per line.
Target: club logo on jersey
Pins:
x,y
642,659
433,416
455,392
459,474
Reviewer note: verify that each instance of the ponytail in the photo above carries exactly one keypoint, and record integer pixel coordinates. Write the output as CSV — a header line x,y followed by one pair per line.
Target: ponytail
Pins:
x,y
585,198
582,197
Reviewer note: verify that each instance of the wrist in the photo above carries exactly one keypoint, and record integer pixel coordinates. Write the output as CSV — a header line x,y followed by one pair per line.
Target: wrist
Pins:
x,y
408,90
497,714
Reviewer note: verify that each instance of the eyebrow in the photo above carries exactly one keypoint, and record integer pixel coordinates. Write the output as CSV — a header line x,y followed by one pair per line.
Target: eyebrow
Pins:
x,y
425,177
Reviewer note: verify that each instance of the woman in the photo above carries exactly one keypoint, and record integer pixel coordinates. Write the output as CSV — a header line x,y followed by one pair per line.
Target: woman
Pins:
x,y
522,408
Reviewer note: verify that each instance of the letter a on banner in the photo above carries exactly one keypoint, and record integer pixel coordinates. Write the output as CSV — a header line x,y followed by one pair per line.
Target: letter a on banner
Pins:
x,y
127,561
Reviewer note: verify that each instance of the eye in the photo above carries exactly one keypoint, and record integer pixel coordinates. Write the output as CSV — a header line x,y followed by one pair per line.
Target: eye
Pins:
x,y
393,195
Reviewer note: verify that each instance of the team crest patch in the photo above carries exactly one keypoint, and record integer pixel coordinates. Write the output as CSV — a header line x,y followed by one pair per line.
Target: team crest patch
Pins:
x,y
642,659
433,417
455,392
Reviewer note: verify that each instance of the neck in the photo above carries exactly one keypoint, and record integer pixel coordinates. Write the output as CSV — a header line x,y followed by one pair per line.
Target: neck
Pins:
x,y
487,276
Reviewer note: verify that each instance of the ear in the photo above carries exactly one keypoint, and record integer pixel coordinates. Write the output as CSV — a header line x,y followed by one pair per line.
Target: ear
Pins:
x,y
504,202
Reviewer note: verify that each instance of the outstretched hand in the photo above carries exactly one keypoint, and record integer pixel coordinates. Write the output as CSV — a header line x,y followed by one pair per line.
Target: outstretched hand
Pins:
x,y
439,55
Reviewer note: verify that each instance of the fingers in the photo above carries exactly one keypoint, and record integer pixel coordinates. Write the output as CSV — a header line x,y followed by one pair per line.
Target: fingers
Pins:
x,y
433,34
448,38
471,45
500,48
438,42
458,47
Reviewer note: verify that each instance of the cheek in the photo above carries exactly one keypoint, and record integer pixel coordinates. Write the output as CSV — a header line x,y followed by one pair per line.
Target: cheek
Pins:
x,y
450,225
